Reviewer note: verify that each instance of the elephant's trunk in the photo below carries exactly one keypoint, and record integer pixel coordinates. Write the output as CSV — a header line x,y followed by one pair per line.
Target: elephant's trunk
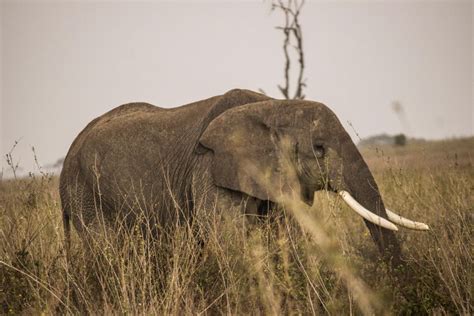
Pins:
x,y
361,185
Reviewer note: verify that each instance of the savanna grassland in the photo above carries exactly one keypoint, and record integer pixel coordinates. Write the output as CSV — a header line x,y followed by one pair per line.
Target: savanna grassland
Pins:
x,y
320,261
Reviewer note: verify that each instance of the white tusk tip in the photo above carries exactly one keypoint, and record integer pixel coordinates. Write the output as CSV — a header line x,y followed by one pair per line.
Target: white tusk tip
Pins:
x,y
405,222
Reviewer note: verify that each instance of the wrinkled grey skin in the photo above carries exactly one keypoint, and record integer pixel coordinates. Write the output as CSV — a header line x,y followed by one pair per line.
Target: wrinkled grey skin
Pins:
x,y
207,152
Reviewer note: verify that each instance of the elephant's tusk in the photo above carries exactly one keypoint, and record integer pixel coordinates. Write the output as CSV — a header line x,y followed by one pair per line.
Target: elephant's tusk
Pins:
x,y
362,211
405,222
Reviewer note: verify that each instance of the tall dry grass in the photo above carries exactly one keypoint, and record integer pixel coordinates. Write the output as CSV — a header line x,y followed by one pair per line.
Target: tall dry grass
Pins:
x,y
296,261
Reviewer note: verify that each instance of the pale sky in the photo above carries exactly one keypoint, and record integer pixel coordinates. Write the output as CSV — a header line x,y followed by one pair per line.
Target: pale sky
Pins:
x,y
64,63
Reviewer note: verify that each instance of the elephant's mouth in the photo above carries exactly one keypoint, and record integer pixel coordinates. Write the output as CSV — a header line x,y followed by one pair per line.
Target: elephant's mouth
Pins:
x,y
307,195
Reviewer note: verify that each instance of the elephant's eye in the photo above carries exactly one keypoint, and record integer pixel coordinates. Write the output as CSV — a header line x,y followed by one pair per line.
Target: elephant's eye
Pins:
x,y
319,150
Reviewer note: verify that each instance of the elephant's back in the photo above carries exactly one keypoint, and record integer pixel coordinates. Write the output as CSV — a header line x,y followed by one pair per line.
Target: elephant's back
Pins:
x,y
134,141
119,112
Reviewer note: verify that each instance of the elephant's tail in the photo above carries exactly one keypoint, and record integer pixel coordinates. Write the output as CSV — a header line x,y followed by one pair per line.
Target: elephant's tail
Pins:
x,y
67,230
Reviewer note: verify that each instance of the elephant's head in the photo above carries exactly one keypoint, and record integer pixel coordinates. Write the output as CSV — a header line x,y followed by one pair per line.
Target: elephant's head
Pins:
x,y
272,147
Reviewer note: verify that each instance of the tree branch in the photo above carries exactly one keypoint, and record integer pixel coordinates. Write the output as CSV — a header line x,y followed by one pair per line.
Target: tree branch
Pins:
x,y
292,30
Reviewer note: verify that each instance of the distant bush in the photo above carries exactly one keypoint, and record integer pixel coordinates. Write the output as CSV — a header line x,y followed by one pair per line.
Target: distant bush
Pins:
x,y
400,140
387,140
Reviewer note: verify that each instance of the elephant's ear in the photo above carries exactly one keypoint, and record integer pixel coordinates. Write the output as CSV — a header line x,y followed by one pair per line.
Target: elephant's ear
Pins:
x,y
247,153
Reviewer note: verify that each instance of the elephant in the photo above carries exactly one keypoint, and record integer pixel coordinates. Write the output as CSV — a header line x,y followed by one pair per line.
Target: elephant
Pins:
x,y
170,160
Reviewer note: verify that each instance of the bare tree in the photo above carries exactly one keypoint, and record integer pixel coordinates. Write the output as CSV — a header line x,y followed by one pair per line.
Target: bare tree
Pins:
x,y
293,37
